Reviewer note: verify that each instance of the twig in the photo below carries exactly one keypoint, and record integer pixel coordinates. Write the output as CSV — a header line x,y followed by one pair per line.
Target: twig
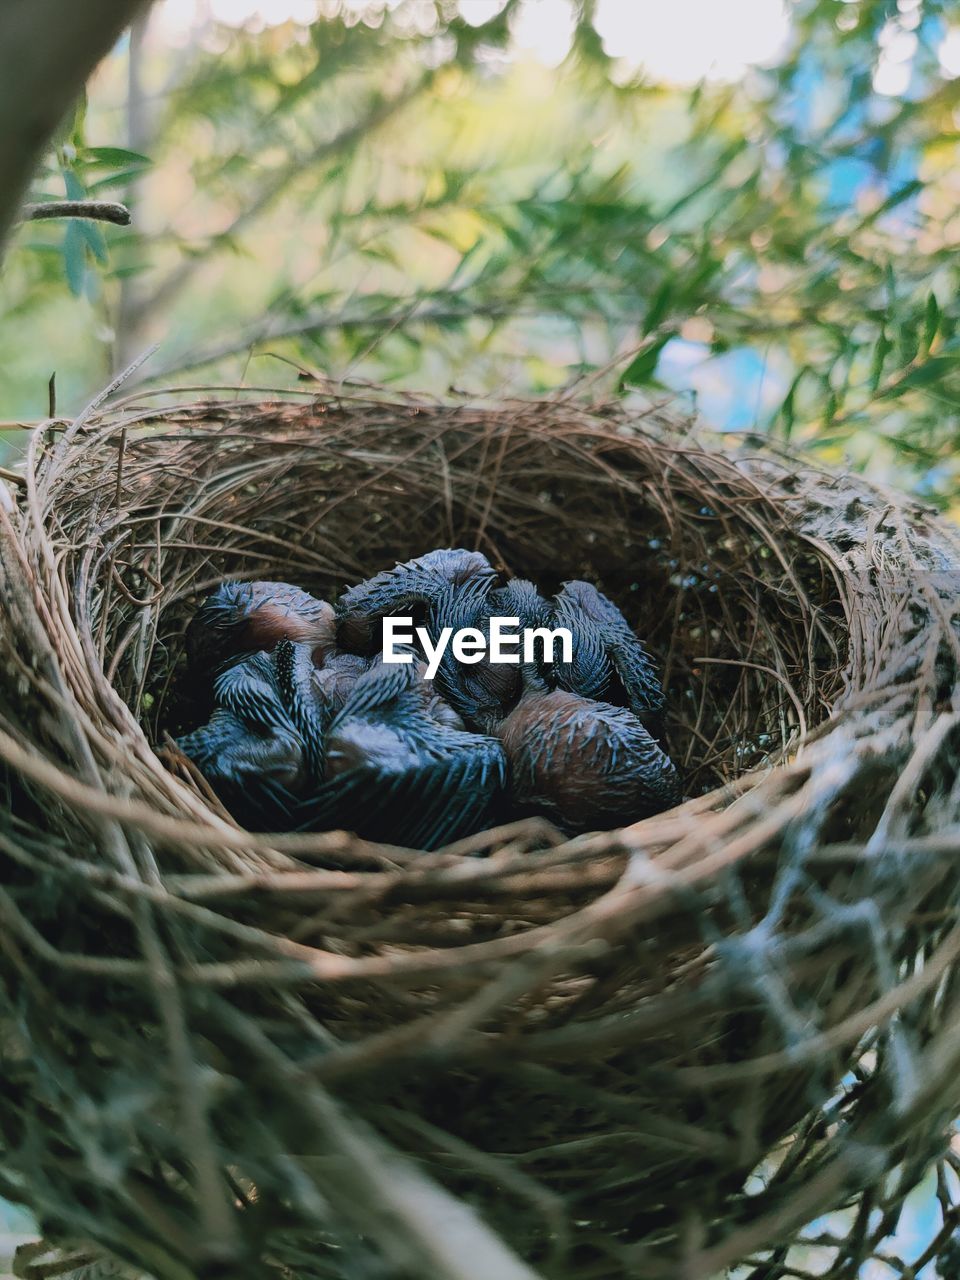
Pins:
x,y
94,210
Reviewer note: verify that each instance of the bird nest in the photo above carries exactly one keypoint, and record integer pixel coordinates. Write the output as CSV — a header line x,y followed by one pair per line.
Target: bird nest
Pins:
x,y
654,1052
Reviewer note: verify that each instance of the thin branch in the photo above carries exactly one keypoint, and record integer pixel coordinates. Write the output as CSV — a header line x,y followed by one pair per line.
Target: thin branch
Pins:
x,y
447,309
318,322
95,210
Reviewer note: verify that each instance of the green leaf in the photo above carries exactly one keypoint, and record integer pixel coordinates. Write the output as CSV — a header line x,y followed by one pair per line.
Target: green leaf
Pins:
x,y
73,187
659,304
882,348
898,197
123,273
931,322
643,366
93,236
787,410
908,342
114,157
830,408
74,257
787,416
121,178
934,370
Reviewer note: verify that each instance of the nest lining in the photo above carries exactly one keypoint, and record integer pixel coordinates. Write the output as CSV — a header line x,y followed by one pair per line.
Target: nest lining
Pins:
x,y
630,1053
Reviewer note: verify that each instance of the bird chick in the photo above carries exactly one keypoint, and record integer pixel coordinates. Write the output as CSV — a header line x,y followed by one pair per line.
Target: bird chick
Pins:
x,y
587,765
249,617
411,587
250,751
398,769
483,692
393,717
304,701
337,675
609,662
263,749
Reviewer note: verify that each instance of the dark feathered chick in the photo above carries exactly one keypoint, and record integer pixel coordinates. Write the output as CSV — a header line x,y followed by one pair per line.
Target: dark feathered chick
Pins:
x,y
337,676
249,617
414,775
609,662
305,701
263,748
587,765
251,751
246,617
392,719
407,589
483,692
398,770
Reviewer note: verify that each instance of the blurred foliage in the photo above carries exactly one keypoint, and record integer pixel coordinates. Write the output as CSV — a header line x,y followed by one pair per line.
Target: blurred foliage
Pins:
x,y
399,195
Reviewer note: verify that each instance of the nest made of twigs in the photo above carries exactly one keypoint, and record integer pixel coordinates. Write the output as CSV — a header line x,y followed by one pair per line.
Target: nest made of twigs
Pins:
x,y
652,1052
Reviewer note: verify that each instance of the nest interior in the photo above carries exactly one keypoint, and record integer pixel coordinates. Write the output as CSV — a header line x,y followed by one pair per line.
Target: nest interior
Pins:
x,y
654,1052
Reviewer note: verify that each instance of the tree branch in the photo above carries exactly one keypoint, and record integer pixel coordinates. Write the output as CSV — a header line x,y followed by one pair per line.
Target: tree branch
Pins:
x,y
48,48
98,210
319,322
439,309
